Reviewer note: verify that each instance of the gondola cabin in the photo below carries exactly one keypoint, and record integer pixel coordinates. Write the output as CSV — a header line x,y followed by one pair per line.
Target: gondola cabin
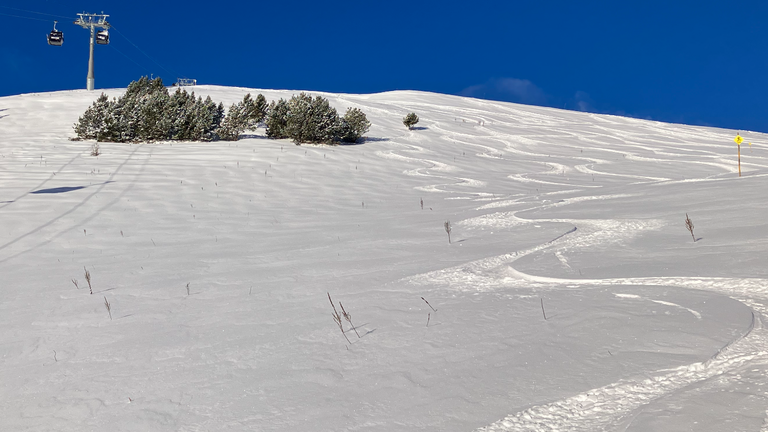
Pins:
x,y
102,37
55,37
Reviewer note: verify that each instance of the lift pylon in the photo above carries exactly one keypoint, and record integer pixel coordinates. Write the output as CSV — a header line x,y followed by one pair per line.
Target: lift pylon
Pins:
x,y
92,22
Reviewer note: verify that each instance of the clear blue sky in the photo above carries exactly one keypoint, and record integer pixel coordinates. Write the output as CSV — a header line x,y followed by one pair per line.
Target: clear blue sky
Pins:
x,y
701,62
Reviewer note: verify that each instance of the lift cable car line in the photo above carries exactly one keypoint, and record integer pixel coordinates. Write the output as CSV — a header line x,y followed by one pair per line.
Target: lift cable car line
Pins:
x,y
33,12
132,60
23,17
141,51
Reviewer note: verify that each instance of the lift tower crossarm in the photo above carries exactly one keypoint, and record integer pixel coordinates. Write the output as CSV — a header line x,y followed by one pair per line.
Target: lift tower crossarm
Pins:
x,y
92,22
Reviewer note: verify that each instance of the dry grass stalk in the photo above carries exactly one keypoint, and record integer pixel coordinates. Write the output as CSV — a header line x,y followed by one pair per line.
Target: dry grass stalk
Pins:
x,y
74,281
430,306
689,226
337,318
88,279
108,306
447,226
542,309
348,317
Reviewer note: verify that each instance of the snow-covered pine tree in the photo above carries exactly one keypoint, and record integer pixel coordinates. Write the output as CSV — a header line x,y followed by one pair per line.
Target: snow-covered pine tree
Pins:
x,y
130,110
218,117
253,111
276,119
354,125
154,123
311,120
261,108
188,120
203,118
410,120
91,123
233,124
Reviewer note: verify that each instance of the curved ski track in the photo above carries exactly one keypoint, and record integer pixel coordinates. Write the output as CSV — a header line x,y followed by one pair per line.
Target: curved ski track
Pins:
x,y
613,406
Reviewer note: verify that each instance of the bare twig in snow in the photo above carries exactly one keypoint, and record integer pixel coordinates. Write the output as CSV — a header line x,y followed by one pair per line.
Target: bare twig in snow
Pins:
x,y
430,306
689,226
337,318
348,317
88,279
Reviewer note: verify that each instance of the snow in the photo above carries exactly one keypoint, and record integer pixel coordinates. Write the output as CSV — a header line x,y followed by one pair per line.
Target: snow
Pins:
x,y
217,258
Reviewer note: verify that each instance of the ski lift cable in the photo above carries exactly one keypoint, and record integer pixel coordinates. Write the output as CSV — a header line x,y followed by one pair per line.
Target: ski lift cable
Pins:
x,y
132,60
37,13
29,18
140,50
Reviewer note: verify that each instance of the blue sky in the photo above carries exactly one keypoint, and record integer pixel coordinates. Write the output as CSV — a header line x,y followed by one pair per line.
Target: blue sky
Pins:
x,y
701,63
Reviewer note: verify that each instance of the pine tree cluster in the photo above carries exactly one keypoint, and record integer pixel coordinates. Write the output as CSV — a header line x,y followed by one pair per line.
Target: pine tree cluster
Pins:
x,y
307,119
147,112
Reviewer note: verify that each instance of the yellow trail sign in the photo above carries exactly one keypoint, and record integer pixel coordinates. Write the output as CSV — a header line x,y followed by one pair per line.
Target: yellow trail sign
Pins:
x,y
738,139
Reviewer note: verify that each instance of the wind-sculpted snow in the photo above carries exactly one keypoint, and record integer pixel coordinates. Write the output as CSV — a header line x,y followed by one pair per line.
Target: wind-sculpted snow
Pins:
x,y
570,297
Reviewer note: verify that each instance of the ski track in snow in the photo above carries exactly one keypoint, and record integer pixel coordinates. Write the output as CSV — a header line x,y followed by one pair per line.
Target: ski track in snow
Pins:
x,y
661,302
606,407
610,406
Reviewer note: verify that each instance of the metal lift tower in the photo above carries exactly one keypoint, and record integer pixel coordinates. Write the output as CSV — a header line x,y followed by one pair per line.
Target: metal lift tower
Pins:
x,y
92,21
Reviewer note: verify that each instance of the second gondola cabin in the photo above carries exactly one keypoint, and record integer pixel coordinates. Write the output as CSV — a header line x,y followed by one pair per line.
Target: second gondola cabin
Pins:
x,y
102,37
55,37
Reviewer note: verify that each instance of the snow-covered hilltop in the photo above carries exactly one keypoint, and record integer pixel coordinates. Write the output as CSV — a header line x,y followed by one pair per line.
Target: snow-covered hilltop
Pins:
x,y
571,297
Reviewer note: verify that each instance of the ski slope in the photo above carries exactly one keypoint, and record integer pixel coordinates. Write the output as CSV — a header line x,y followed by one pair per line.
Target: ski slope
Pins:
x,y
571,296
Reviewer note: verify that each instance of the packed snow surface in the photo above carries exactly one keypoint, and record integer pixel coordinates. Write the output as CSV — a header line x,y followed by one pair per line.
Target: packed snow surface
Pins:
x,y
571,296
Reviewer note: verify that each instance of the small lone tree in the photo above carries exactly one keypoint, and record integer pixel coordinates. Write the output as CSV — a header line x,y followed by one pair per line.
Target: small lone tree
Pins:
x,y
410,120
689,226
447,226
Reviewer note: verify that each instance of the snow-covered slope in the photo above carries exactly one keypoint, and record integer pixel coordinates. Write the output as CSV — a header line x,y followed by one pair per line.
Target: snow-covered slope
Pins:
x,y
216,260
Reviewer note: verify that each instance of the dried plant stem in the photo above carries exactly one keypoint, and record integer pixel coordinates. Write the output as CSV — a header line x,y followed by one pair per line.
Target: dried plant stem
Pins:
x,y
430,306
109,307
689,226
447,226
74,281
429,315
542,309
88,279
348,317
337,318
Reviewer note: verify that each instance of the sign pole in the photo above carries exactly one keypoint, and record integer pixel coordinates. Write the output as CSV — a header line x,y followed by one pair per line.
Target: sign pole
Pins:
x,y
738,140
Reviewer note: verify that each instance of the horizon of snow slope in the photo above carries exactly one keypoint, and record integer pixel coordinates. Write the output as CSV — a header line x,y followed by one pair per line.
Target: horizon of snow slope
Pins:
x,y
571,296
